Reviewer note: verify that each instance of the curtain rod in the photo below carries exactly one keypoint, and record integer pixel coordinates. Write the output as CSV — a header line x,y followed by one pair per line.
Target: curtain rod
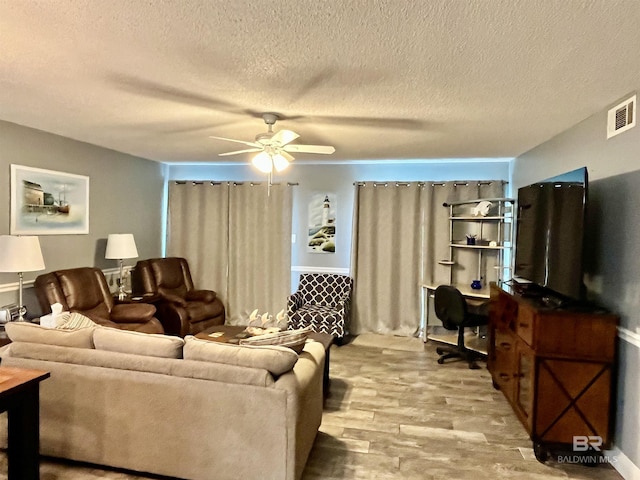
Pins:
x,y
386,184
288,184
425,182
202,182
195,182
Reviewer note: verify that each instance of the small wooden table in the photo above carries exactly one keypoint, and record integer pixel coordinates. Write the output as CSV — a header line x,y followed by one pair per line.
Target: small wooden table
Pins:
x,y
144,298
233,333
20,398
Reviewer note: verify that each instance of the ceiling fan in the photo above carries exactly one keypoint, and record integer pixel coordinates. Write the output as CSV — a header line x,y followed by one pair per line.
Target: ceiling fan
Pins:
x,y
275,147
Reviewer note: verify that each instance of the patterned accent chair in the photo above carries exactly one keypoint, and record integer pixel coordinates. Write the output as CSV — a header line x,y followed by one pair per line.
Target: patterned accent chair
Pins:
x,y
322,302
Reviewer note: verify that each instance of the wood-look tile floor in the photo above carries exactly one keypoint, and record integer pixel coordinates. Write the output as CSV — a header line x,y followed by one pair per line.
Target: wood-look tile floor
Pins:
x,y
394,413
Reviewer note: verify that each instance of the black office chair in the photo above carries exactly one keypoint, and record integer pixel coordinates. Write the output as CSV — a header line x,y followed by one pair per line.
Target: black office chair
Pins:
x,y
451,309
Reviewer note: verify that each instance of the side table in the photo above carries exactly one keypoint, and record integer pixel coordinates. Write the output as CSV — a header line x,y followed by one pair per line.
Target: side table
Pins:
x,y
146,298
20,398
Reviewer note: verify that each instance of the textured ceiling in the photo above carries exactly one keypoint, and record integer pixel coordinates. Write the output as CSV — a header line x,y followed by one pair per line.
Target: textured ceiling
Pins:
x,y
378,79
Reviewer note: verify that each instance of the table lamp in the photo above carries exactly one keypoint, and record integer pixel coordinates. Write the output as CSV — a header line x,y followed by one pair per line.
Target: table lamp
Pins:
x,y
18,255
119,247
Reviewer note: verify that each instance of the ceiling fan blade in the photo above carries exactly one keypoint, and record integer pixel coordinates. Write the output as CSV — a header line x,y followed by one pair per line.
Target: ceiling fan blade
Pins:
x,y
236,152
251,144
286,155
365,122
284,136
322,149
150,88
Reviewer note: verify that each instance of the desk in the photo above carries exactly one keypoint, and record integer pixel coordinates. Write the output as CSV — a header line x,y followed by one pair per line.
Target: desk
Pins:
x,y
431,328
20,398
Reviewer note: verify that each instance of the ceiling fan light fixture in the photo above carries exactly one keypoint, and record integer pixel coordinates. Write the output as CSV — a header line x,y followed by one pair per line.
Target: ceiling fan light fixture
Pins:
x,y
262,162
274,147
279,162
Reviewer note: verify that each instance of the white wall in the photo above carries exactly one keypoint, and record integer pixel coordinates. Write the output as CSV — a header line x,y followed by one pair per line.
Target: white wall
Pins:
x,y
613,261
323,177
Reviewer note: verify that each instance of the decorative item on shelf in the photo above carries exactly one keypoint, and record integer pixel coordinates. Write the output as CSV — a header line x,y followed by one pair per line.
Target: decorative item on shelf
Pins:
x,y
476,284
17,255
119,247
482,209
471,239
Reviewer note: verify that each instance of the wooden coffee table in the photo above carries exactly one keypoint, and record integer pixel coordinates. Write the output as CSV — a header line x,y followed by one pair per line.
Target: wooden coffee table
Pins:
x,y
234,333
20,397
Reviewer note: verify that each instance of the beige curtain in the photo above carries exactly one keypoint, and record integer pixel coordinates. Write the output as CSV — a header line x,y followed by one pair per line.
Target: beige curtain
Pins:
x,y
385,263
237,239
400,230
259,249
198,230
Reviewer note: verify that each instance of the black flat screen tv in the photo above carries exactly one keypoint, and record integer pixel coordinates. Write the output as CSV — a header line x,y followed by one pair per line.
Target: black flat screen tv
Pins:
x,y
550,234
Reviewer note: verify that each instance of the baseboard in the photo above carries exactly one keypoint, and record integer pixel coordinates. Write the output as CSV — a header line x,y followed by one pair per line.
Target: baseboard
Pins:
x,y
310,269
623,464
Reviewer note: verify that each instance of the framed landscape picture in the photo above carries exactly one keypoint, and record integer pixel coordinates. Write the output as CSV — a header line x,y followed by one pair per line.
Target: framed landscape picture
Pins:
x,y
46,202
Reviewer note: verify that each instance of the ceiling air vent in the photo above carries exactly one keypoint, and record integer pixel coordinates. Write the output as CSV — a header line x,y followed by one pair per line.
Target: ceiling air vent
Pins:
x,y
622,117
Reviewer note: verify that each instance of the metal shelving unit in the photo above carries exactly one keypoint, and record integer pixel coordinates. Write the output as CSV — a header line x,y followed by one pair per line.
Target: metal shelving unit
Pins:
x,y
492,235
486,257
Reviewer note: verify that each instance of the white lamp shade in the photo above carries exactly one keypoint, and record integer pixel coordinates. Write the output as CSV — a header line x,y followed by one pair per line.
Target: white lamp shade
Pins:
x,y
121,245
279,162
20,254
262,162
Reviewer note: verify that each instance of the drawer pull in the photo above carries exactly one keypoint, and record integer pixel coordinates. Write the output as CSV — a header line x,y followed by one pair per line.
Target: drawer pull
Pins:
x,y
505,345
523,325
504,376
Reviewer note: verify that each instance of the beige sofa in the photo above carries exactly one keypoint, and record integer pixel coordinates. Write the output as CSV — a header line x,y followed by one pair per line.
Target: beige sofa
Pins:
x,y
184,408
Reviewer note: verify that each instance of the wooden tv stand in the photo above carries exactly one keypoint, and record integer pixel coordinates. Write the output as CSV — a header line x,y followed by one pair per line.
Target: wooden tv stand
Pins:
x,y
556,368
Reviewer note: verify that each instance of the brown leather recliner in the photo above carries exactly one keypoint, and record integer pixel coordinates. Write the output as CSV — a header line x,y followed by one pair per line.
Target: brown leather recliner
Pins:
x,y
84,290
182,309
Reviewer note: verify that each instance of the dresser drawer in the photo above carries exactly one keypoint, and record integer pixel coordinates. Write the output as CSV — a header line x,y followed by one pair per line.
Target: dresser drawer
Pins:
x,y
524,324
505,362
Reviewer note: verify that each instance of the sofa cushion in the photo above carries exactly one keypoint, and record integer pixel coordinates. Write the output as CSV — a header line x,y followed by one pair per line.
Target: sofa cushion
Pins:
x,y
127,341
277,360
138,363
32,333
294,339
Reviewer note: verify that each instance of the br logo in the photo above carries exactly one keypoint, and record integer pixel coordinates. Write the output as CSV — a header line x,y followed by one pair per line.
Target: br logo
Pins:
x,y
582,443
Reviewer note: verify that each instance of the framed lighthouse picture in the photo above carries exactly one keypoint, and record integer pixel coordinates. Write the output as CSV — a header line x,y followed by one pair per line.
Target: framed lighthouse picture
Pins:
x,y
322,223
